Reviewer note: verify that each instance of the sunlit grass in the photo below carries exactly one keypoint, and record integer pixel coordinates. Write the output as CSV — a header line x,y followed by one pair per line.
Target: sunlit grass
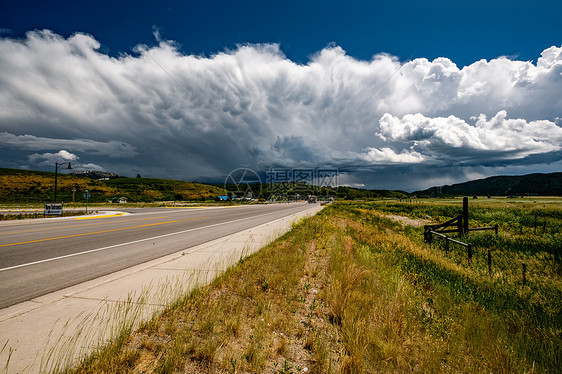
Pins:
x,y
530,310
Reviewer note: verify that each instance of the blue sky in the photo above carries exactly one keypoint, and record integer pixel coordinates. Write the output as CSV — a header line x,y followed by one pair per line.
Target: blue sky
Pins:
x,y
464,31
392,94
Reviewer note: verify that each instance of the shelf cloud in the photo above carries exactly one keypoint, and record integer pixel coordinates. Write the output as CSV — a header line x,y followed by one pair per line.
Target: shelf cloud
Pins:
x,y
384,123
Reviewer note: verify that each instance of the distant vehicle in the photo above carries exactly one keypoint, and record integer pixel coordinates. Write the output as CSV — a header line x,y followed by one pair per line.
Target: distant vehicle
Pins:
x,y
312,199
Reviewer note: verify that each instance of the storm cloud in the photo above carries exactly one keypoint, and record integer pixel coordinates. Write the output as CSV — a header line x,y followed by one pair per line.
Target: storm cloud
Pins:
x,y
384,123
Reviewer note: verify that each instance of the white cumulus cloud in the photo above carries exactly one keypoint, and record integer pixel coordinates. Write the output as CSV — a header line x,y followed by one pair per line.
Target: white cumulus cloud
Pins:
x,y
60,156
386,155
164,113
484,141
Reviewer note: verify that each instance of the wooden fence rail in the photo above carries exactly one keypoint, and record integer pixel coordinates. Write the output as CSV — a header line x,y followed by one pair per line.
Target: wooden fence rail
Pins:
x,y
495,228
461,228
449,239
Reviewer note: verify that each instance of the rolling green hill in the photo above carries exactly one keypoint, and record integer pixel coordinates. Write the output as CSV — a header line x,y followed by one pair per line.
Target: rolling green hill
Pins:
x,y
30,186
154,189
537,184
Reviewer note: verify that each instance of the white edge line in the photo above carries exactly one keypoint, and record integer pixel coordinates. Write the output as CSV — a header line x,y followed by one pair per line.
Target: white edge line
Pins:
x,y
122,244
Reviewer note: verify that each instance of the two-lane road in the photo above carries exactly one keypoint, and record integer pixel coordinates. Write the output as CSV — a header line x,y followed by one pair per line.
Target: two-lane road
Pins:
x,y
39,258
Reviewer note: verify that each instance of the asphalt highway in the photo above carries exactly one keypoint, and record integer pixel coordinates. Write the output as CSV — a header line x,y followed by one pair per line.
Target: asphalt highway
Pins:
x,y
46,256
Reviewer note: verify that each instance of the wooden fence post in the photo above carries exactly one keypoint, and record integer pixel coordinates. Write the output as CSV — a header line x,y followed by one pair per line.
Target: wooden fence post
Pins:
x,y
489,261
427,235
465,215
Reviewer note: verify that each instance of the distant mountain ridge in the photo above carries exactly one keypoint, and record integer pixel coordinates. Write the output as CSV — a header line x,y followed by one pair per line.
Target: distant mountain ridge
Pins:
x,y
537,184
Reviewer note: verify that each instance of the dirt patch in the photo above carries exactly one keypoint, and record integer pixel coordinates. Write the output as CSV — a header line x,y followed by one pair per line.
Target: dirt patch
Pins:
x,y
416,222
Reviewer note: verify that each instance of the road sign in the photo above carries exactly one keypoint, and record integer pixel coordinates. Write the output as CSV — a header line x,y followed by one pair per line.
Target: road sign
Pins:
x,y
87,197
53,209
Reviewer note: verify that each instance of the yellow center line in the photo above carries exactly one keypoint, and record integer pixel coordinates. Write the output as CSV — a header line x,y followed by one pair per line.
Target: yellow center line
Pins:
x,y
104,216
185,207
99,232
201,207
83,225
